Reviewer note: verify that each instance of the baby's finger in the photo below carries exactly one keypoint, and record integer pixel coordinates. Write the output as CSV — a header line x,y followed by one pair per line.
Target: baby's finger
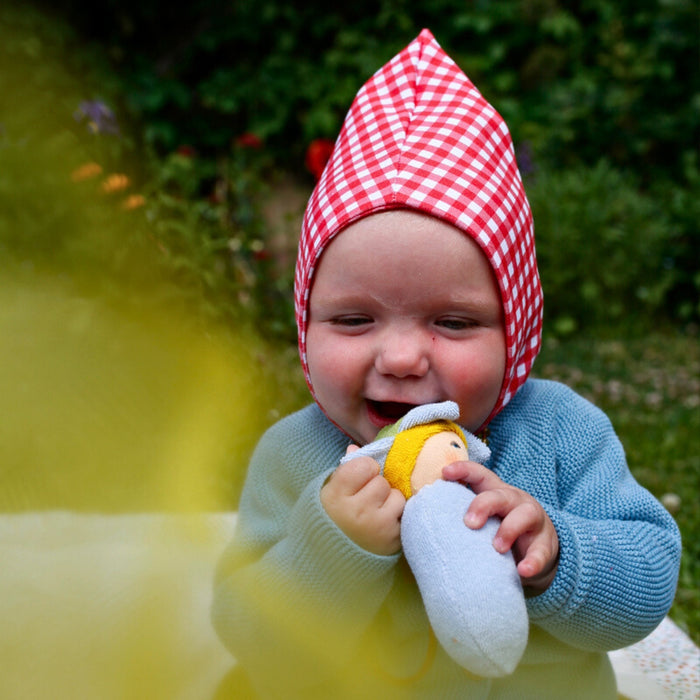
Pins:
x,y
539,567
376,491
353,475
477,476
535,561
525,517
494,502
394,503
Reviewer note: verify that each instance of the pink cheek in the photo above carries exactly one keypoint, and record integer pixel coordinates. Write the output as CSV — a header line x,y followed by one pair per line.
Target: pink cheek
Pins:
x,y
451,366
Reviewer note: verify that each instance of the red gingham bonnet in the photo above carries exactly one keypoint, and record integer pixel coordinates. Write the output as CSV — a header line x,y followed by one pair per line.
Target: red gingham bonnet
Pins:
x,y
419,135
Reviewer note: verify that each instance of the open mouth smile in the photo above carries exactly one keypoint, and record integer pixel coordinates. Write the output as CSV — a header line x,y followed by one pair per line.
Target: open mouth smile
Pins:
x,y
382,413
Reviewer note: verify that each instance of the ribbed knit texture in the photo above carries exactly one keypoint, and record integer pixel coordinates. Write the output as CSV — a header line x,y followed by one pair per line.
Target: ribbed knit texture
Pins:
x,y
291,575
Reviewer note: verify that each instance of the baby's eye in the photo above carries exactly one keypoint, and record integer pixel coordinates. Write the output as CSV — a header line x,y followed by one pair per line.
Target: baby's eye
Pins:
x,y
456,324
351,321
454,443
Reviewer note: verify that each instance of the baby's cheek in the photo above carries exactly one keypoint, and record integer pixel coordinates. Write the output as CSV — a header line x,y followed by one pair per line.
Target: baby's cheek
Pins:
x,y
476,364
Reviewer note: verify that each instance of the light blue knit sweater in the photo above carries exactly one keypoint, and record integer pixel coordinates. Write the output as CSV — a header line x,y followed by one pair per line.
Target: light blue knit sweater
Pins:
x,y
310,614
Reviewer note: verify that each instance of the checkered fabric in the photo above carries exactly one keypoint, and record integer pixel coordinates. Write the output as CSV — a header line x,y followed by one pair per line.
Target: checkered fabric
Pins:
x,y
420,135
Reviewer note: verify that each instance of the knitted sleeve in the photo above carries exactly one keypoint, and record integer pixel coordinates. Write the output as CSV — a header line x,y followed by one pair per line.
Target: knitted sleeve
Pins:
x,y
291,580
619,548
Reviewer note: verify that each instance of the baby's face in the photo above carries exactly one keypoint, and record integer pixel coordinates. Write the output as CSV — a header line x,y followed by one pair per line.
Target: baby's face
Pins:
x,y
404,310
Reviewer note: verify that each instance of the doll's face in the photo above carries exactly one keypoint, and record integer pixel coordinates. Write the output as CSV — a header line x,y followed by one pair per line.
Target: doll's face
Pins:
x,y
438,451
404,310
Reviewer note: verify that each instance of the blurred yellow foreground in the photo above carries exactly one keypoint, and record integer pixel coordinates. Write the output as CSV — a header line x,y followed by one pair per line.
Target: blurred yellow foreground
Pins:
x,y
125,422
123,436
108,409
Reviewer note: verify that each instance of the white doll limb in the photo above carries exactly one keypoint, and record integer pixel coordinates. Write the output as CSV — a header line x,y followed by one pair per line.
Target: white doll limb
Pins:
x,y
471,592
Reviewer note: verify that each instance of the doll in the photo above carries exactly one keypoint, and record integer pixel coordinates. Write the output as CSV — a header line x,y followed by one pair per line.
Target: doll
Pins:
x,y
471,592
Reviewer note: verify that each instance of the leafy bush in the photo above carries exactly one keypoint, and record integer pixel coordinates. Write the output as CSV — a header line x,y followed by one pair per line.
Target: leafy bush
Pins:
x,y
600,248
576,80
603,78
76,202
207,219
681,199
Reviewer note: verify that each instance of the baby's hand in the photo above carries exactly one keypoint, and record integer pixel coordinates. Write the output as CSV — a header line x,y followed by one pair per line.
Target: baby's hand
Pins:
x,y
525,526
364,506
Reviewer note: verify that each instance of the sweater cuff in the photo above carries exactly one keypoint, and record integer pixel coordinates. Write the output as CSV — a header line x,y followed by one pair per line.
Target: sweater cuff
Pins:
x,y
569,585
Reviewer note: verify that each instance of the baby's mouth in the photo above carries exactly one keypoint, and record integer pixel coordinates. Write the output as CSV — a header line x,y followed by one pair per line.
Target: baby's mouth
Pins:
x,y
383,413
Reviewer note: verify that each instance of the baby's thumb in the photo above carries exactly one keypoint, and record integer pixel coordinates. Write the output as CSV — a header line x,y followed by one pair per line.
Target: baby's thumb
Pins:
x,y
351,449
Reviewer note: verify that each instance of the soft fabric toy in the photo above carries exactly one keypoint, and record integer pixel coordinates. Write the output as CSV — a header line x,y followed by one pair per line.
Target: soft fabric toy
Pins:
x,y
471,592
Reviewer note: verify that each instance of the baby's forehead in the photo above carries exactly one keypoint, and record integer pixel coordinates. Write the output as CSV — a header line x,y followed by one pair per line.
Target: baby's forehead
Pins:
x,y
391,228
406,261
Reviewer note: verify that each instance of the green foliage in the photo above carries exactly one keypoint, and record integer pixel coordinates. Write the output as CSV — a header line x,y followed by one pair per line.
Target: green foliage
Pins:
x,y
601,247
576,83
75,202
682,201
207,220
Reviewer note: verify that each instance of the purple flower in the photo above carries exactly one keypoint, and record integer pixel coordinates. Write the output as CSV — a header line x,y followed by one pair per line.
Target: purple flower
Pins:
x,y
100,118
525,160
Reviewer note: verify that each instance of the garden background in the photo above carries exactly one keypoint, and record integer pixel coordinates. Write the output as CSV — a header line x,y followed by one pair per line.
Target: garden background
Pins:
x,y
154,163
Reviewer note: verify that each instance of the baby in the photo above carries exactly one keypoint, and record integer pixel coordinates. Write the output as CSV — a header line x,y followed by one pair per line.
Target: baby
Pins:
x,y
417,283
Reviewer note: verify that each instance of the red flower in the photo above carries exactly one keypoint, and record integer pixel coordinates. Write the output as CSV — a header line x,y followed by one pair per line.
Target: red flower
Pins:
x,y
248,140
317,155
261,255
186,151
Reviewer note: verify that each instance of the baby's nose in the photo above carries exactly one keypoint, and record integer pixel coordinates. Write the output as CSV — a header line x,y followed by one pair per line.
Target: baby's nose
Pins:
x,y
403,354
